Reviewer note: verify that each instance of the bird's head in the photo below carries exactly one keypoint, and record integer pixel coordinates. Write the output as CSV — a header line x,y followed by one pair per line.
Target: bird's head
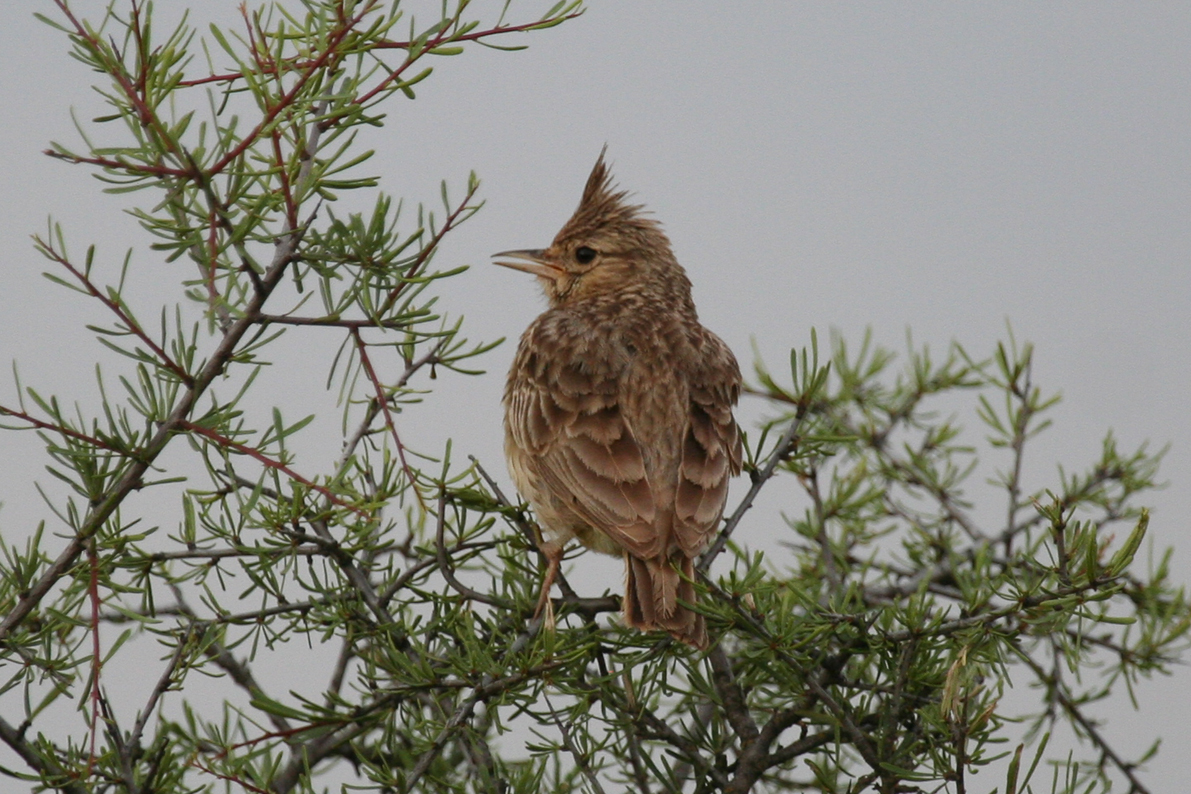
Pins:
x,y
608,245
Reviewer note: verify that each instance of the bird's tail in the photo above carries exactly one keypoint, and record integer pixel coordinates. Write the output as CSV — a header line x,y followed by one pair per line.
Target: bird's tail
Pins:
x,y
652,591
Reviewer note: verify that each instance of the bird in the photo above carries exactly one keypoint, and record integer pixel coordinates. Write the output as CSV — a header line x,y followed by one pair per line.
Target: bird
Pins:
x,y
618,408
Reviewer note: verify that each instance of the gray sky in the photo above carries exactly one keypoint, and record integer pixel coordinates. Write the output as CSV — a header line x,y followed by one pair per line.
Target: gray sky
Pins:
x,y
943,167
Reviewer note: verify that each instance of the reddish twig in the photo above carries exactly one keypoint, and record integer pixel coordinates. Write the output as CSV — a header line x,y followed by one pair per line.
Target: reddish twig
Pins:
x,y
116,70
383,401
115,307
288,733
424,255
291,208
269,462
443,37
62,429
335,38
146,169
194,762
296,64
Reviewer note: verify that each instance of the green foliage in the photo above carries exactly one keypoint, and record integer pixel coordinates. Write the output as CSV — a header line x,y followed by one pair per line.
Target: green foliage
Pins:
x,y
913,582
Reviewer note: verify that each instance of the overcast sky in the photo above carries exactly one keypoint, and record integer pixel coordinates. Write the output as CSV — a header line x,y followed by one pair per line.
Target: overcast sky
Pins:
x,y
941,167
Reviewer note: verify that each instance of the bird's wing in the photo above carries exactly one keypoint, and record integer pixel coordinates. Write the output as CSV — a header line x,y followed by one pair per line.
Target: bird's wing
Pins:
x,y
711,449
566,414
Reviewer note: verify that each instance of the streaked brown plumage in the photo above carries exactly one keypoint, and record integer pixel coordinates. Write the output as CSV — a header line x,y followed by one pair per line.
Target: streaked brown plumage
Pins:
x,y
618,408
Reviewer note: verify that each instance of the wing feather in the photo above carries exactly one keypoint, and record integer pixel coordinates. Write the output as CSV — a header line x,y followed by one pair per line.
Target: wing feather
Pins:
x,y
566,413
711,450
565,409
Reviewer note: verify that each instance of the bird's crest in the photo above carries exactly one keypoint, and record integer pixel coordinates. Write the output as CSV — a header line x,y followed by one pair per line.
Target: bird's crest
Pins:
x,y
603,205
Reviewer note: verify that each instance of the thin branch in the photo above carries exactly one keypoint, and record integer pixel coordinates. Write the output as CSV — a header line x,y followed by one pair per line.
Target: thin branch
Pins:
x,y
374,407
96,655
107,504
569,744
115,69
218,653
117,308
858,737
163,684
332,322
735,707
314,752
254,453
1021,423
123,750
779,454
40,424
254,616
444,37
1058,691
487,689
50,770
118,164
299,64
427,251
653,726
382,400
641,774
755,758
527,530
807,744
822,538
210,555
355,575
331,48
448,569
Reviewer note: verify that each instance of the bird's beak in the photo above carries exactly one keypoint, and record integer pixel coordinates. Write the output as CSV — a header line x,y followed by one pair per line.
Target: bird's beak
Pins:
x,y
531,260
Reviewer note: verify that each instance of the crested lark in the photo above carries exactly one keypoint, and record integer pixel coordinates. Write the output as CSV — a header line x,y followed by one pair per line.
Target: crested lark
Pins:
x,y
618,408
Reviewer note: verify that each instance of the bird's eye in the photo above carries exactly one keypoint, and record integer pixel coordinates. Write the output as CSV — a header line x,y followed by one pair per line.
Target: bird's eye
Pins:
x,y
584,255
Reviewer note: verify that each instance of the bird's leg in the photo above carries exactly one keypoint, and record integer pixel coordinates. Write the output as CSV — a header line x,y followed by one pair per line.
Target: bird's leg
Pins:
x,y
553,555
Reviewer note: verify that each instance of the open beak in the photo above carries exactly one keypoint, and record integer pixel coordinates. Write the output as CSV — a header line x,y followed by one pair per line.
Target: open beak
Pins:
x,y
530,260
